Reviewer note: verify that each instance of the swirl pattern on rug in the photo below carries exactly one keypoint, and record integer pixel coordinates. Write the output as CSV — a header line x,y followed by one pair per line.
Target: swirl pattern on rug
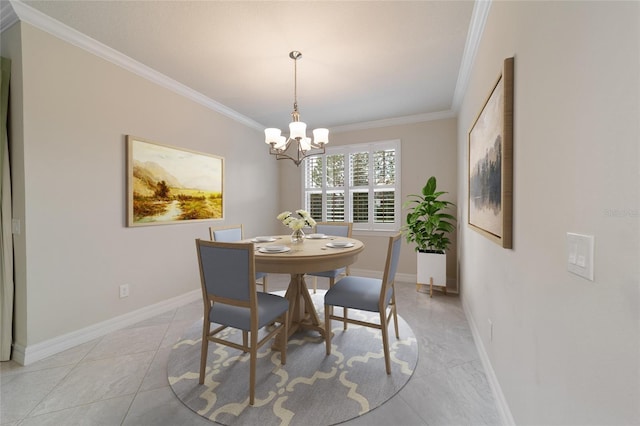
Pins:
x,y
311,389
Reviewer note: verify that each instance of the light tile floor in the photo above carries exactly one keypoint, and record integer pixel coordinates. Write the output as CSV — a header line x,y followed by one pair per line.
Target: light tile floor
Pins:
x,y
121,378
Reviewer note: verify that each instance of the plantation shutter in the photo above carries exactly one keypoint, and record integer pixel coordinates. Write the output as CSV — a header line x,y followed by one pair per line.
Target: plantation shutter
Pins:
x,y
335,188
384,172
355,183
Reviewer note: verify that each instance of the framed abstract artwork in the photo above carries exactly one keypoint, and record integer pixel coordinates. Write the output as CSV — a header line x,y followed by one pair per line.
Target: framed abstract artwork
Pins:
x,y
491,162
172,185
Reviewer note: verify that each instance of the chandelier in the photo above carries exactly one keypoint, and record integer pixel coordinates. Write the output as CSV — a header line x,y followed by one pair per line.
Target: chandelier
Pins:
x,y
297,146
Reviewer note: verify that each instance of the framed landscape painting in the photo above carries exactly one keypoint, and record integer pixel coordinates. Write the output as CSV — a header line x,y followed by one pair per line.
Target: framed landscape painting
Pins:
x,y
172,185
491,162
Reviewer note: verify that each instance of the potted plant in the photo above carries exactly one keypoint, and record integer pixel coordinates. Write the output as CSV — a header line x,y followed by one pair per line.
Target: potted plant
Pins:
x,y
428,226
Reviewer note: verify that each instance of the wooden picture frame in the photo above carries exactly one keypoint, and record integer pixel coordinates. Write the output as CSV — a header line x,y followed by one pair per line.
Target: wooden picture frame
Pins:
x,y
490,169
168,185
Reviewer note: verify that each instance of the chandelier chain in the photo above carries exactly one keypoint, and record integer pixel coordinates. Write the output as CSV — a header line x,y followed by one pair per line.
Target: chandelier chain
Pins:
x,y
295,115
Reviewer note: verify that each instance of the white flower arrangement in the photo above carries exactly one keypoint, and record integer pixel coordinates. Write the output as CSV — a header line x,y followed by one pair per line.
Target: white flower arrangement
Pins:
x,y
305,219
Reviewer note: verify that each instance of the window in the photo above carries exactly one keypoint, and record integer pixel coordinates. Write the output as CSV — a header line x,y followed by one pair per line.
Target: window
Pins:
x,y
355,183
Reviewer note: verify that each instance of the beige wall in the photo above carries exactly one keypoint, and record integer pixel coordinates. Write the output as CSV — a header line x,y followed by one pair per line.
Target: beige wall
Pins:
x,y
565,350
427,149
68,164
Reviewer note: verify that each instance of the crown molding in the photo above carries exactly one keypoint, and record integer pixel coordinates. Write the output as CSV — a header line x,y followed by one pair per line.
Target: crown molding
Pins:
x,y
7,16
397,121
474,35
45,23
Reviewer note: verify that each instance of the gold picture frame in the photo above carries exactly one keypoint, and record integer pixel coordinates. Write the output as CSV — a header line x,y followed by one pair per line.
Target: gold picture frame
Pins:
x,y
168,185
490,169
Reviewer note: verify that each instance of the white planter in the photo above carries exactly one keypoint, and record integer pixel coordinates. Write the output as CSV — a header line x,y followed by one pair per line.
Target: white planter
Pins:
x,y
432,265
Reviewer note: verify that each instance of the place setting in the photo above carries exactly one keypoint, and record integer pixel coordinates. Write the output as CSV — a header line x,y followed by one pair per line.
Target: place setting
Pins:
x,y
339,244
274,249
317,236
264,239
269,248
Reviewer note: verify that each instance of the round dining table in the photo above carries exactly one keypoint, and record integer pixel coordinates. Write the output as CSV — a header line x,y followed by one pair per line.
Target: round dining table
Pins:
x,y
311,255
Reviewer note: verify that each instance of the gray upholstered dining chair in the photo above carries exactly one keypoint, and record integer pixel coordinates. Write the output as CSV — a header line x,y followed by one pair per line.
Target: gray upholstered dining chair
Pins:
x,y
367,294
227,272
336,229
231,234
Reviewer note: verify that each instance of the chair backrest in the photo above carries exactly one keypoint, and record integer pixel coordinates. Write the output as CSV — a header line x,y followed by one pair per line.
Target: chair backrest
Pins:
x,y
391,266
227,271
337,229
226,234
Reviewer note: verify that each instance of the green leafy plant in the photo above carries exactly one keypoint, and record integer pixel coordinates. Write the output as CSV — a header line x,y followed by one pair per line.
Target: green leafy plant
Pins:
x,y
427,223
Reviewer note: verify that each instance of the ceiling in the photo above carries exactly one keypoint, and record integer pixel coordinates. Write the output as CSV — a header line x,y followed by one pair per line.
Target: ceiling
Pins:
x,y
362,61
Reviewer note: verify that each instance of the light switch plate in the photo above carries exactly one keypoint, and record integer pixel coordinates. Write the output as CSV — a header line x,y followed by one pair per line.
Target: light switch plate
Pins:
x,y
15,226
580,249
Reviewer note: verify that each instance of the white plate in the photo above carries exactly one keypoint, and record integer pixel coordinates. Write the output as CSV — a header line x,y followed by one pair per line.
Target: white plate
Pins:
x,y
316,236
263,239
274,249
340,244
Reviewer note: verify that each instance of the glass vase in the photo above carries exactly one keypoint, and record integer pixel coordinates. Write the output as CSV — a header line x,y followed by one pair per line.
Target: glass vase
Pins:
x,y
297,236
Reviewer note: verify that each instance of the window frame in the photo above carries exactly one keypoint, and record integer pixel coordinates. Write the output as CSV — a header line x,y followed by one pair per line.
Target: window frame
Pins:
x,y
360,228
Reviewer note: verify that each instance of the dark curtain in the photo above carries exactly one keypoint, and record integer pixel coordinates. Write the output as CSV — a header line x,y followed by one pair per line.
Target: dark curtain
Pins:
x,y
6,237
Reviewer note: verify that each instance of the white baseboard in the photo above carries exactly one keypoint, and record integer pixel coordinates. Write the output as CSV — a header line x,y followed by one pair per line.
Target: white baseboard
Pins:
x,y
32,353
501,403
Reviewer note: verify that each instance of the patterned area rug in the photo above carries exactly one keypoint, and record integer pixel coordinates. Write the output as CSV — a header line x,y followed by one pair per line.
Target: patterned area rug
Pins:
x,y
311,389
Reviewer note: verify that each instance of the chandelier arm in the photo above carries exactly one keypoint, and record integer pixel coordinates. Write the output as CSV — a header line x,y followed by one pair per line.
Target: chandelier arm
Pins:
x,y
282,154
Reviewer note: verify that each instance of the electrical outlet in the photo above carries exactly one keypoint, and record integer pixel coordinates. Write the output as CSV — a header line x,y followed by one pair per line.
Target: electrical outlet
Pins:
x,y
580,249
124,291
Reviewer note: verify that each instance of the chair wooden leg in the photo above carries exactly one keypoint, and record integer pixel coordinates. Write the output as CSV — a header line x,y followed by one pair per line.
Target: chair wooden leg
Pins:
x,y
395,310
245,339
252,366
327,327
345,313
285,338
205,349
315,285
385,341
